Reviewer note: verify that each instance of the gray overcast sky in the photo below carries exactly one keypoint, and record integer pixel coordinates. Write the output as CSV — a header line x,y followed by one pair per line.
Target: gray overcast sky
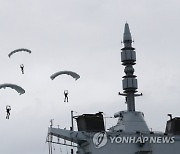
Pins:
x,y
84,36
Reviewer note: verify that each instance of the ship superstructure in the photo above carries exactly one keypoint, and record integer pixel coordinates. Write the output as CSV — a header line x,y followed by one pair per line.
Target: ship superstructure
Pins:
x,y
131,134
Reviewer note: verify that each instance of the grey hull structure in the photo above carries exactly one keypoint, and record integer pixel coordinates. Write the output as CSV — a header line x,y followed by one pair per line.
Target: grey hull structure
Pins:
x,y
131,134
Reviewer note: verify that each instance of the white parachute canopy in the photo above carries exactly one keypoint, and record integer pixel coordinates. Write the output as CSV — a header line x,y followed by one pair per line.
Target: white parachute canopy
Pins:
x,y
19,50
19,89
73,74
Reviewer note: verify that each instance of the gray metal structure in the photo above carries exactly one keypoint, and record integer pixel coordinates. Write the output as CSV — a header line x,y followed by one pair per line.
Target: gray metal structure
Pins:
x,y
131,134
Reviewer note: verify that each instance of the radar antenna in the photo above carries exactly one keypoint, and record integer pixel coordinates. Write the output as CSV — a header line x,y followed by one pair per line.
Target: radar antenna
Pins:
x,y
128,59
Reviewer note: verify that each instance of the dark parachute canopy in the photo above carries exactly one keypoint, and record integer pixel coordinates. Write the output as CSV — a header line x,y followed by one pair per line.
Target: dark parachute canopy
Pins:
x,y
18,50
73,74
19,89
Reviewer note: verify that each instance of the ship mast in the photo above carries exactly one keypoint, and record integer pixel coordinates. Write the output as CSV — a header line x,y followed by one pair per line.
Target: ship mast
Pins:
x,y
128,59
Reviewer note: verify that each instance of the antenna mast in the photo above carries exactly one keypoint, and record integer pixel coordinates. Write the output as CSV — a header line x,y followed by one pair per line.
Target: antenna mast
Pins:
x,y
128,59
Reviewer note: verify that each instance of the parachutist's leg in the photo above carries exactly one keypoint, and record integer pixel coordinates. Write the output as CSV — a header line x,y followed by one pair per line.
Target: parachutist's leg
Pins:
x,y
8,114
22,70
67,99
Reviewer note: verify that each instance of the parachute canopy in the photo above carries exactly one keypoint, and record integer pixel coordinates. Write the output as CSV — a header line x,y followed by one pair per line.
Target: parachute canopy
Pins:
x,y
18,50
73,74
13,86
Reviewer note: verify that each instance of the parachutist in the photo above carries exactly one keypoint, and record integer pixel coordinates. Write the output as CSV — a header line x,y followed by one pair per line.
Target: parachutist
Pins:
x,y
22,68
66,95
8,109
